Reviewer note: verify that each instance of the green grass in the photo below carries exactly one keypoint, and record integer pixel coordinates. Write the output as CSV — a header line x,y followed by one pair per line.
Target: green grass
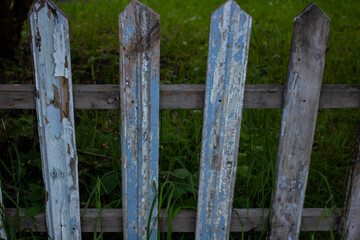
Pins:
x,y
184,38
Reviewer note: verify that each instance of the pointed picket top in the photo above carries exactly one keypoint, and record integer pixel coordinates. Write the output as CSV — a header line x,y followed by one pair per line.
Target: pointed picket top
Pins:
x,y
312,15
309,12
139,28
48,5
231,4
301,102
141,5
55,114
226,72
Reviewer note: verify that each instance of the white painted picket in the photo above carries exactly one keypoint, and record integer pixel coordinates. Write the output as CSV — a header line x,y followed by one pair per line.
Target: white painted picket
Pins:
x,y
55,114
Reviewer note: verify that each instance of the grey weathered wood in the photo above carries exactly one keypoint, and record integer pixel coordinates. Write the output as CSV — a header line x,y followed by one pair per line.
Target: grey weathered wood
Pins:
x,y
2,213
54,105
20,96
225,85
251,220
350,220
301,101
139,93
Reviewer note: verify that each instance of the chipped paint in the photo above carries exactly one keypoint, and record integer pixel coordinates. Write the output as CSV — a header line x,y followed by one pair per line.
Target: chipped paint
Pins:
x,y
139,84
2,229
54,104
226,73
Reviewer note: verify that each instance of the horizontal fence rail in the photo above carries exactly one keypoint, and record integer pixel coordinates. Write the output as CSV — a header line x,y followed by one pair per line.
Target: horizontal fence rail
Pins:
x,y
252,219
185,96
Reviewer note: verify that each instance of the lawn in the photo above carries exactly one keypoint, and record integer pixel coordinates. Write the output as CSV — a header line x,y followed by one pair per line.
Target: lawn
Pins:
x,y
184,45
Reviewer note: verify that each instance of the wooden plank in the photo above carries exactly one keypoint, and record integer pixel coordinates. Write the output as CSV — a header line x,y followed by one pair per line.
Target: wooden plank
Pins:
x,y
225,84
54,105
253,219
350,220
20,96
301,101
139,94
2,213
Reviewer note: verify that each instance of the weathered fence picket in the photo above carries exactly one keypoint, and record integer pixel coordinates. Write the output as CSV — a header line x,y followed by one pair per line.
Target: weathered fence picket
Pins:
x,y
139,95
54,105
2,213
226,72
225,96
301,101
350,221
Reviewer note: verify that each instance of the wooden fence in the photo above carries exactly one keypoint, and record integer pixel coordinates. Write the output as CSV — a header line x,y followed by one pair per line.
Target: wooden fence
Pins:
x,y
140,96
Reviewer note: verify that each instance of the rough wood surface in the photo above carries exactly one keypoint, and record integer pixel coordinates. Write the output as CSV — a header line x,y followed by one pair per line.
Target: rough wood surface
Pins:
x,y
251,220
139,93
21,96
54,105
225,84
350,220
2,213
301,101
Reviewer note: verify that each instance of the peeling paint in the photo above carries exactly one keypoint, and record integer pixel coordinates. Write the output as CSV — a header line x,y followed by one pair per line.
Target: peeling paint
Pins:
x,y
226,73
54,104
139,83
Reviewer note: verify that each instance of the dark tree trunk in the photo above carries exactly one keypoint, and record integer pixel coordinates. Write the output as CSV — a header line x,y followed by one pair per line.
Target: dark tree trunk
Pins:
x,y
12,18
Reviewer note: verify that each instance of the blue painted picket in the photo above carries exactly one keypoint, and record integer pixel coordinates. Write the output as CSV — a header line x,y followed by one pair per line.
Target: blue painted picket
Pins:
x,y
54,105
139,94
226,72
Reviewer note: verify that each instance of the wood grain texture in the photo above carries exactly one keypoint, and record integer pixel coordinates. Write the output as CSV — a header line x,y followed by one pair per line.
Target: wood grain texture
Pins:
x,y
21,96
54,106
139,93
350,220
251,220
2,214
301,101
225,84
